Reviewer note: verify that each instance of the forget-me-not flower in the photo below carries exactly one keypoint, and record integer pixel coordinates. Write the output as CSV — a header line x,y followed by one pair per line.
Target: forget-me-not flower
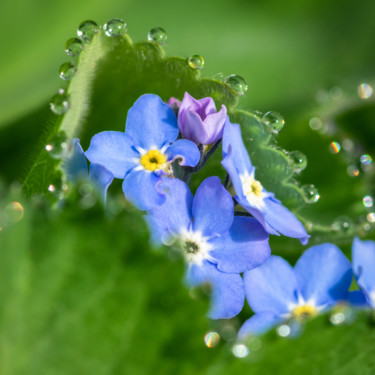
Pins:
x,y
216,245
145,151
75,166
251,195
363,259
275,291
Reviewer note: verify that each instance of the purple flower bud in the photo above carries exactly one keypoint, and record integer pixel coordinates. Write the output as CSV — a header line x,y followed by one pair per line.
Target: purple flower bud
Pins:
x,y
174,104
199,121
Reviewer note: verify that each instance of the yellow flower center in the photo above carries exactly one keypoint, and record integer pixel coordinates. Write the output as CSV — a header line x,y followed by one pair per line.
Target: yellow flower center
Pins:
x,y
153,160
304,312
256,188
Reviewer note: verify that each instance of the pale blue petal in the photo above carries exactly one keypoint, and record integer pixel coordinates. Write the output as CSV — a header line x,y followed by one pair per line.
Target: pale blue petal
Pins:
x,y
258,324
212,208
114,151
75,165
186,150
363,257
271,287
174,215
324,274
227,297
102,178
151,122
244,247
141,189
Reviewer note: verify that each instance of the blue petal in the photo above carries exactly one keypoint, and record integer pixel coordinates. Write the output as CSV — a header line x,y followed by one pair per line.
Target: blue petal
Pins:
x,y
174,214
75,165
102,178
324,274
141,189
212,208
279,218
186,150
271,287
363,257
151,123
259,324
113,150
357,298
228,296
234,146
157,231
243,248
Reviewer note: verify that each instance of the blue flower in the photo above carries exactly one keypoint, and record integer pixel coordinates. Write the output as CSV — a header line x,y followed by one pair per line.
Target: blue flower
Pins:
x,y
216,245
75,166
145,151
275,291
363,258
251,195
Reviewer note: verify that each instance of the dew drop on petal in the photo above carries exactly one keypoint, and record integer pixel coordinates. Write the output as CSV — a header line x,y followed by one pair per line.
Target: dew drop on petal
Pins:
x,y
60,103
342,224
73,46
196,62
334,147
115,27
157,35
67,71
299,161
237,83
211,339
368,201
274,120
240,351
310,193
87,30
365,91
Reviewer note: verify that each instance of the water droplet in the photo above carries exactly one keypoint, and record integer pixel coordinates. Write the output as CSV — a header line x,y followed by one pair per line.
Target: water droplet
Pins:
x,y
310,193
337,319
58,146
283,330
334,147
115,27
60,103
315,123
67,71
73,46
240,350
211,339
365,90
335,93
157,35
342,224
87,30
14,212
353,171
196,62
51,188
348,145
274,120
237,83
367,201
371,217
342,313
299,160
366,159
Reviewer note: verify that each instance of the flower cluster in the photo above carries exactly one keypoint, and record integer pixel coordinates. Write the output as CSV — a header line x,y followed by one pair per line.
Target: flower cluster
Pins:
x,y
222,231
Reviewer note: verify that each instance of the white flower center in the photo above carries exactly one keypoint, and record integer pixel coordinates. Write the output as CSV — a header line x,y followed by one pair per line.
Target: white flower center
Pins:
x,y
194,247
253,190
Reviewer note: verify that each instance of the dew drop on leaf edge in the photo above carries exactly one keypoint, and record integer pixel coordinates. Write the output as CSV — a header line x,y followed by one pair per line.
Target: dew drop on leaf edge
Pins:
x,y
73,47
237,83
87,29
310,193
157,35
196,62
299,160
66,71
60,103
115,27
274,120
57,146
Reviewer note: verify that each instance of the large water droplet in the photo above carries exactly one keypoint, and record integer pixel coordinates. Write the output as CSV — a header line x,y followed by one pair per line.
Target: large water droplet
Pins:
x,y
240,350
365,90
67,71
366,159
299,160
115,27
237,83
274,120
196,62
334,147
60,103
157,35
342,224
58,146
211,339
310,193
87,30
368,201
352,171
73,46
